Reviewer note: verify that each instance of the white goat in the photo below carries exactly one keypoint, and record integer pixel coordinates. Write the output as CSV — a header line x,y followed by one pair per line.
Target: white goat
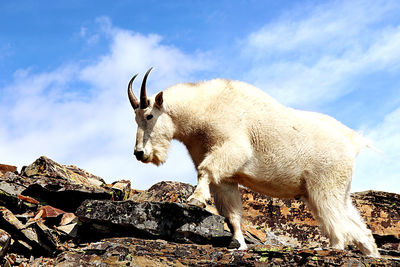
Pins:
x,y
237,134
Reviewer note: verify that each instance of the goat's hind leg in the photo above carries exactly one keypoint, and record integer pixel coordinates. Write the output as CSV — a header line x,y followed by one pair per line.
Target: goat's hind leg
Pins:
x,y
329,211
341,222
359,234
228,202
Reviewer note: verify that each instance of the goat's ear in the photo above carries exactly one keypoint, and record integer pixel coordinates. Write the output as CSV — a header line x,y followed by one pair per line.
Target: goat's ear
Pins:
x,y
159,99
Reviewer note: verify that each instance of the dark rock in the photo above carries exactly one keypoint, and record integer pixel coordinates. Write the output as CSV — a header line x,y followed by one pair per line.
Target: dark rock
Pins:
x,y
13,202
61,186
171,221
63,194
11,188
37,238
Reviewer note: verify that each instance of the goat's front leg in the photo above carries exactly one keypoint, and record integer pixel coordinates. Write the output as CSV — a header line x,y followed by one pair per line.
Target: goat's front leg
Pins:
x,y
221,163
202,192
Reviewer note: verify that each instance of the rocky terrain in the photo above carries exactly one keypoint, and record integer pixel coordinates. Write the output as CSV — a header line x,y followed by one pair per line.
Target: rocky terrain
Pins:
x,y
57,215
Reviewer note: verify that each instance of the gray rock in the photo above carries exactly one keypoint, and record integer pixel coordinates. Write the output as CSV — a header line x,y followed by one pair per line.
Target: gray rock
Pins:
x,y
64,194
170,221
46,167
11,188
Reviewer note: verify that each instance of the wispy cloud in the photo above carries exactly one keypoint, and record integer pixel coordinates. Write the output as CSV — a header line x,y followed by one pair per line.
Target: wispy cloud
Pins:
x,y
79,114
381,172
313,56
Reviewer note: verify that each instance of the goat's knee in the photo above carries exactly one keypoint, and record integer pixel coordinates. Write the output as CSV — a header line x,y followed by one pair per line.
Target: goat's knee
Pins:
x,y
202,193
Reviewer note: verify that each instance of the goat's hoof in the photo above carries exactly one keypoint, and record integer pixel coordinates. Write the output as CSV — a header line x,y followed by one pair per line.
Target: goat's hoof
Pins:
x,y
234,244
195,202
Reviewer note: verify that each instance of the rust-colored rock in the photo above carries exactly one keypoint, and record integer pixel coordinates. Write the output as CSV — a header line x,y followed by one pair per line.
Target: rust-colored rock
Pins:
x,y
288,219
381,212
4,168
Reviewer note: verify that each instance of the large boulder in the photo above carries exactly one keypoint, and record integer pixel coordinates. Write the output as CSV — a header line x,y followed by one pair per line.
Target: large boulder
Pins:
x,y
155,220
61,186
45,167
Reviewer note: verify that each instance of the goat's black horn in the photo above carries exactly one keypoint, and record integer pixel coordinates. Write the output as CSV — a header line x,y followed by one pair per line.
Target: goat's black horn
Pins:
x,y
144,102
132,97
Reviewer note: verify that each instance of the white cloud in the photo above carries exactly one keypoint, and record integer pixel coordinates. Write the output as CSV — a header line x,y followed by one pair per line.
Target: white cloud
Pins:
x,y
79,114
313,58
381,172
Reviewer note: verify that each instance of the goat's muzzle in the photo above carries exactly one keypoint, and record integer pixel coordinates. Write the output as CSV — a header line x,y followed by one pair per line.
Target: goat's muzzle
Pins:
x,y
139,154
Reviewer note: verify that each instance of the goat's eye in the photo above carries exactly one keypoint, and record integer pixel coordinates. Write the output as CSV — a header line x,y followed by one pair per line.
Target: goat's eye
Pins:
x,y
149,117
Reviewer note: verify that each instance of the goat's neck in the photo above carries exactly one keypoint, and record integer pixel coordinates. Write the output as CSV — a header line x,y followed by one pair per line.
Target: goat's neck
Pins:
x,y
189,129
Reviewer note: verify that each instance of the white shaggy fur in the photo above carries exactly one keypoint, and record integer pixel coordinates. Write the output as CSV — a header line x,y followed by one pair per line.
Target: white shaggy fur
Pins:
x,y
237,134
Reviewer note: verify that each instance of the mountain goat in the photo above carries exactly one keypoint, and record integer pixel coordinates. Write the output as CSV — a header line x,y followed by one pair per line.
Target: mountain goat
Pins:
x,y
237,134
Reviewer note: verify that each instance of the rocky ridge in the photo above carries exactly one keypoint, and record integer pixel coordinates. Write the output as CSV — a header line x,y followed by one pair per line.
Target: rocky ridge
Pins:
x,y
57,215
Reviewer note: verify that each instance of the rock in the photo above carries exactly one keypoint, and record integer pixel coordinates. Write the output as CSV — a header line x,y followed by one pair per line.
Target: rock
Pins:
x,y
38,238
5,240
286,221
4,168
138,252
64,187
69,229
68,218
46,167
122,189
10,194
69,225
293,223
170,221
165,191
63,194
381,212
41,225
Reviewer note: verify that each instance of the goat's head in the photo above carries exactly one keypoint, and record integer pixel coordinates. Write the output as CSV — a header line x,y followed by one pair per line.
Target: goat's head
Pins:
x,y
154,126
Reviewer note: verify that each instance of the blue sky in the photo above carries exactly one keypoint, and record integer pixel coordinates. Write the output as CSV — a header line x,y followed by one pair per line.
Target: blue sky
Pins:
x,y
64,68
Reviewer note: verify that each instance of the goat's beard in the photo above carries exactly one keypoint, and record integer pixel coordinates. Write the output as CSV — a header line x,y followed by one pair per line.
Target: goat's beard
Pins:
x,y
159,155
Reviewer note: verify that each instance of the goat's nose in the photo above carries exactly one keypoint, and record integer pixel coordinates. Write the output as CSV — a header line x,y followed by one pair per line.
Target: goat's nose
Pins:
x,y
139,154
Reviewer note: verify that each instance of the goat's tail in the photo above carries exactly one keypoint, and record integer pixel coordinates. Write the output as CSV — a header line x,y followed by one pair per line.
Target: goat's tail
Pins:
x,y
360,141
